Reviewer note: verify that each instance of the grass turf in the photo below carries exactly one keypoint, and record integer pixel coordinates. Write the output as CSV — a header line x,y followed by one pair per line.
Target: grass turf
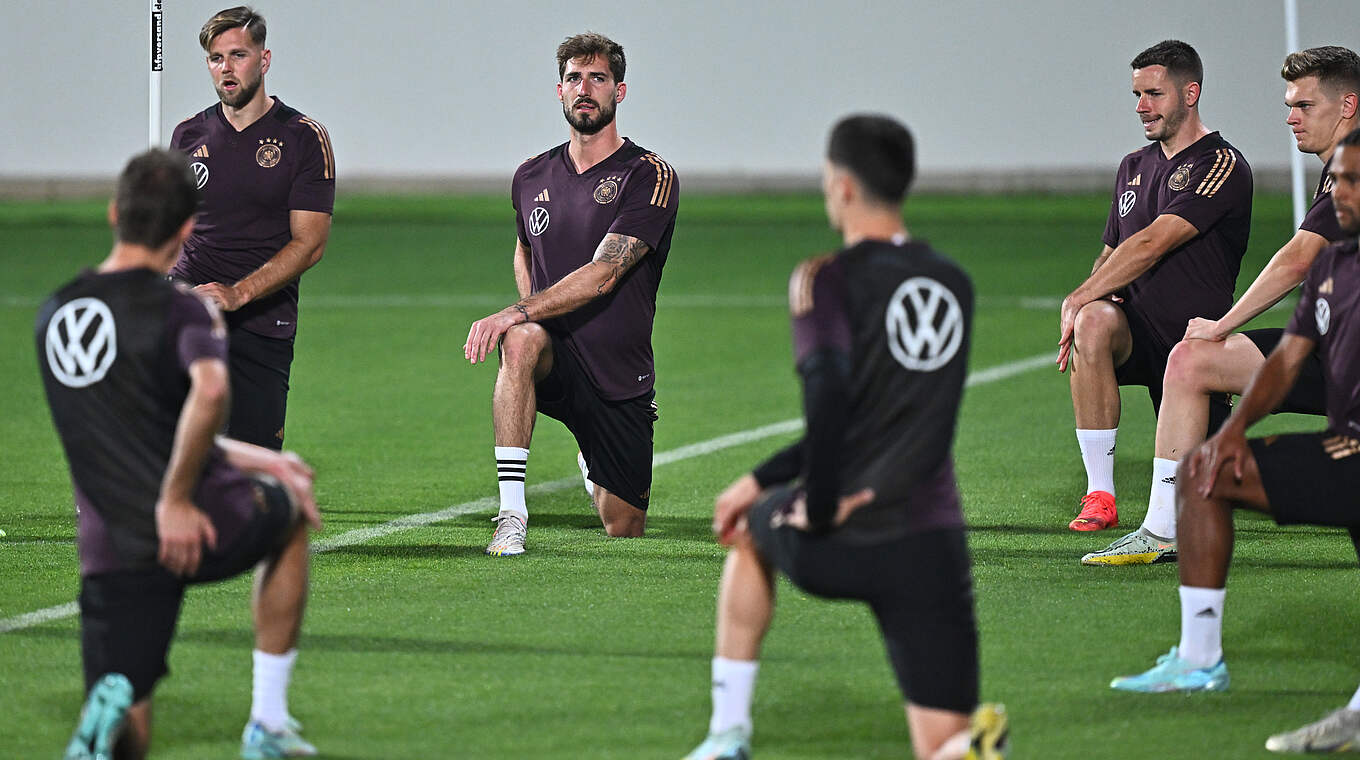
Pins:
x,y
416,644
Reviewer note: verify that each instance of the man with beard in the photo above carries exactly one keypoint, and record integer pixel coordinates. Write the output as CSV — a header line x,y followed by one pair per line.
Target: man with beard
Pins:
x,y
1300,478
267,178
594,218
1174,240
1323,97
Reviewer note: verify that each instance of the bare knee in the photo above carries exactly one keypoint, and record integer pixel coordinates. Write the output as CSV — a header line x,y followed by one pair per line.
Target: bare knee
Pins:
x,y
1190,364
523,345
621,519
1096,326
626,526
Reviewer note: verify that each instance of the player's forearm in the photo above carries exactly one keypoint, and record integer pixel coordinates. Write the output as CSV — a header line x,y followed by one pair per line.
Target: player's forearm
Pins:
x,y
248,457
567,294
284,267
1283,273
826,403
204,410
783,466
1122,266
523,280
1272,381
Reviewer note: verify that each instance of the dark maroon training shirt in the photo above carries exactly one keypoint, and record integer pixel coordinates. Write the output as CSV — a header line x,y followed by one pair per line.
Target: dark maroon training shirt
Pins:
x,y
114,351
1321,216
1209,185
249,181
901,315
1329,314
562,215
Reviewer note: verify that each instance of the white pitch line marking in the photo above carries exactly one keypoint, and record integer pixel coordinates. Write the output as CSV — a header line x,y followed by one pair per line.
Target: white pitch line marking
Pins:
x,y
411,522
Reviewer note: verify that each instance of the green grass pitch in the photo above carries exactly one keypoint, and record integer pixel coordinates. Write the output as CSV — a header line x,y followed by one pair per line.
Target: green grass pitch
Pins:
x,y
417,645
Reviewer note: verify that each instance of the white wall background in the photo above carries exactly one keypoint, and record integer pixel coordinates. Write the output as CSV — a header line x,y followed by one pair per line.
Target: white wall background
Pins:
x,y
420,88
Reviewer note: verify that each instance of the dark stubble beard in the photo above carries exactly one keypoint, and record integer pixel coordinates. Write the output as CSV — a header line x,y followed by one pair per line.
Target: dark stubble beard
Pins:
x,y
584,123
245,92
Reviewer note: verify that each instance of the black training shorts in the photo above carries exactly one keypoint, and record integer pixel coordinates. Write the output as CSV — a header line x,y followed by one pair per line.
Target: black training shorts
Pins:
x,y
127,618
1310,478
919,586
1309,394
615,437
1146,366
260,368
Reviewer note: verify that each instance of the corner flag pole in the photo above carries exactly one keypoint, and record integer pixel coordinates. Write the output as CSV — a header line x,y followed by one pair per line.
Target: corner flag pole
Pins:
x,y
157,64
1291,41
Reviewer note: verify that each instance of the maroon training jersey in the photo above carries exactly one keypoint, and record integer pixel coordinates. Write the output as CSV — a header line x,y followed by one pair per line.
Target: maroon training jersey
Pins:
x,y
1209,185
114,351
249,181
562,215
1329,314
902,314
1321,216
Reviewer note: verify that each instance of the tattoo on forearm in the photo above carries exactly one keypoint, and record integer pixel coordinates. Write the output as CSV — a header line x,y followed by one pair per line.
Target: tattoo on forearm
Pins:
x,y
619,252
523,310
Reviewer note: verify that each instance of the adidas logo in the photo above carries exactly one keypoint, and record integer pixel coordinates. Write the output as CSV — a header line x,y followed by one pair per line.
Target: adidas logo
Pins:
x,y
1136,181
542,197
1207,612
200,152
1110,453
1171,481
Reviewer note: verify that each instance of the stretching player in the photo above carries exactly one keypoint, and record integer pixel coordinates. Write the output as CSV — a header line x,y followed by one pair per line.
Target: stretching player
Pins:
x,y
136,376
867,498
1322,94
1174,240
595,217
1307,478
267,177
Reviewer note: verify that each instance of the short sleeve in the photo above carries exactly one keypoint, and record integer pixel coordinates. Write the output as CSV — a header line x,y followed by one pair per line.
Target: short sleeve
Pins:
x,y
1321,218
198,329
314,184
818,308
650,199
1218,183
519,218
1304,321
1111,236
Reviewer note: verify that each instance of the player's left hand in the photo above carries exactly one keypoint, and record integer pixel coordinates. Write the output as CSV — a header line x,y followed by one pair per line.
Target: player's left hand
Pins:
x,y
1067,320
183,529
486,333
227,297
797,516
731,506
1228,445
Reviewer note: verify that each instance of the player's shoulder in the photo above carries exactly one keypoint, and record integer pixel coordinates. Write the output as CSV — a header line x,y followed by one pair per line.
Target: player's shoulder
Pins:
x,y
803,281
641,158
197,125
1142,154
299,123
540,160
1215,147
1340,249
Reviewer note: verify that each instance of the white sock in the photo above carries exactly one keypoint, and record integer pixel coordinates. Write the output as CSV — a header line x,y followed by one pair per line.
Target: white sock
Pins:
x,y
733,683
1202,625
1097,453
1161,515
269,691
1355,701
511,462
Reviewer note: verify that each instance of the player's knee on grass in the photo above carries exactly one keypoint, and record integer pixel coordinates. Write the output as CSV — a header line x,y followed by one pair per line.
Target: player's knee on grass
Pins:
x,y
621,519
